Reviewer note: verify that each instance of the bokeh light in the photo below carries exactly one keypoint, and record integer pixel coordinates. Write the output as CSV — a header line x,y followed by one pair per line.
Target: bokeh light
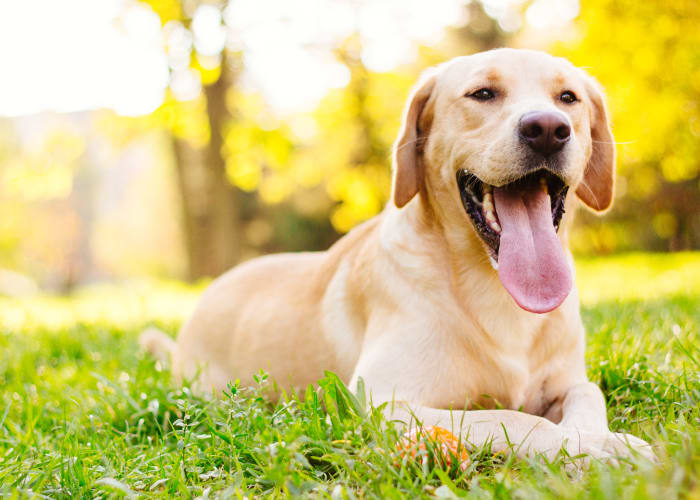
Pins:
x,y
174,138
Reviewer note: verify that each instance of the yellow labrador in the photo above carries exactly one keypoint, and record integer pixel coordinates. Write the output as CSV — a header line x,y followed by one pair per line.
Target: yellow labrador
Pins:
x,y
459,295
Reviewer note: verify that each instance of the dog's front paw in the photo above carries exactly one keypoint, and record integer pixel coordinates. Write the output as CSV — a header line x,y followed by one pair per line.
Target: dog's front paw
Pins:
x,y
611,447
622,445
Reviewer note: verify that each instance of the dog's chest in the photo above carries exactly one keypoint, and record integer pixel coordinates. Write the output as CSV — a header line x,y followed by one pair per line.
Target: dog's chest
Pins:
x,y
496,368
493,381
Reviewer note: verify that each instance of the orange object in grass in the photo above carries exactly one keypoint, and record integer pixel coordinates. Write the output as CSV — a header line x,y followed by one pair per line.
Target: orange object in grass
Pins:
x,y
445,446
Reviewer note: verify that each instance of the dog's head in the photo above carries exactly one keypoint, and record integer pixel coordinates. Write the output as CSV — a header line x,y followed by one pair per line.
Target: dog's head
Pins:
x,y
495,141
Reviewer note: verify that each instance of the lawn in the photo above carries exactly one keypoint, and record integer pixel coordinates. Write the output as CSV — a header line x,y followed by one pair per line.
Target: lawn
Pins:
x,y
83,413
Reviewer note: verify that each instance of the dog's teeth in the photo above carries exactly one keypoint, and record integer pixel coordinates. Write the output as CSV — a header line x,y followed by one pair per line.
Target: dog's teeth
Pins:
x,y
488,200
490,210
487,188
493,224
492,221
543,183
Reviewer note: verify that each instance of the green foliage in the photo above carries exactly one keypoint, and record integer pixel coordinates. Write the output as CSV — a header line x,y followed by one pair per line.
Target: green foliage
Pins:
x,y
167,10
84,414
257,156
645,55
352,149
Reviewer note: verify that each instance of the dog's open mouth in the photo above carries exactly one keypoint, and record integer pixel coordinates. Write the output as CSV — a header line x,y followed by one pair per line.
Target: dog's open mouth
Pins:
x,y
477,198
518,223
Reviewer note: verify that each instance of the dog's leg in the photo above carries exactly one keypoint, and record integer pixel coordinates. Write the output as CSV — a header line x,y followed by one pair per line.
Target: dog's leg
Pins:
x,y
506,431
511,431
583,408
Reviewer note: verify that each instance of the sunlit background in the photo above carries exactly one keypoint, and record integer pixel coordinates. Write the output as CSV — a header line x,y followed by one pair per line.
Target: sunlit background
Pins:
x,y
174,138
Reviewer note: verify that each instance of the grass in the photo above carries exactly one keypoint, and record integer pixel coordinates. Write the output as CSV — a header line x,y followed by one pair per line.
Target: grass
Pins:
x,y
84,414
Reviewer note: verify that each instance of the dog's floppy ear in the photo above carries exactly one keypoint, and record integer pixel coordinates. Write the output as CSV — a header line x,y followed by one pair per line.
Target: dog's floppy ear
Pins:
x,y
408,174
596,188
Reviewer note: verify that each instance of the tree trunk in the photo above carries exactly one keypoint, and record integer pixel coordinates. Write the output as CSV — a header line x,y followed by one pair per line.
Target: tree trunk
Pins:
x,y
210,202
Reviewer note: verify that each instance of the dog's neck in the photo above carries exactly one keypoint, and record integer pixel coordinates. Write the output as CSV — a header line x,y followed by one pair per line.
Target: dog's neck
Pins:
x,y
420,242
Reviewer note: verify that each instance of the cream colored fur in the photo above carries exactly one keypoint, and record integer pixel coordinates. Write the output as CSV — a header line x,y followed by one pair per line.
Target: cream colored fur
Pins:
x,y
409,300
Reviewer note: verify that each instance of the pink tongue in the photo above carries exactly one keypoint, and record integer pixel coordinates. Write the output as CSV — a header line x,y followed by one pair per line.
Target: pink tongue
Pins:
x,y
531,261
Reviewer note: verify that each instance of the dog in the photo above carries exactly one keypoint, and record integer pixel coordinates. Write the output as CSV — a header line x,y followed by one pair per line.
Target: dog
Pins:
x,y
457,303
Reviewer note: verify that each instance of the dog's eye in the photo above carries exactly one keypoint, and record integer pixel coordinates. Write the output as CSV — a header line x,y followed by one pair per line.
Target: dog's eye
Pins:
x,y
482,94
568,97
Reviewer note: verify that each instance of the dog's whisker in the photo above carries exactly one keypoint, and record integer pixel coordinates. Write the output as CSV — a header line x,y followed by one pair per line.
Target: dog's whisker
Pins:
x,y
613,142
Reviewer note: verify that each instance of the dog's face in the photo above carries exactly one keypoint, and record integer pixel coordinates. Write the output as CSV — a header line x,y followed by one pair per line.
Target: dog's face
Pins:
x,y
494,142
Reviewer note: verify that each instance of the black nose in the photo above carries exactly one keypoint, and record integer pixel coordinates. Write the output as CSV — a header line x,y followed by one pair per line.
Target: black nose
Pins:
x,y
544,132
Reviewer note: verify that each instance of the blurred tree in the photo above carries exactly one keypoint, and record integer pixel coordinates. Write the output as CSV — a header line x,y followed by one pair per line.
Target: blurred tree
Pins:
x,y
211,205
37,184
480,32
646,55
357,126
